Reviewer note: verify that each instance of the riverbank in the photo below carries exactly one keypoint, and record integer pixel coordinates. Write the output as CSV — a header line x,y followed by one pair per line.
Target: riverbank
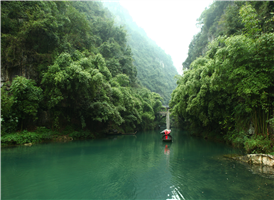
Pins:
x,y
42,134
251,144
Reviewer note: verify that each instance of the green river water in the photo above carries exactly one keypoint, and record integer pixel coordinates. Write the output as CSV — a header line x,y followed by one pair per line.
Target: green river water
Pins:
x,y
130,167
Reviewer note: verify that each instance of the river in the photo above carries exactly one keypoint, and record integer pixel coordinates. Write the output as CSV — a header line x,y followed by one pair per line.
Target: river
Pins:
x,y
130,167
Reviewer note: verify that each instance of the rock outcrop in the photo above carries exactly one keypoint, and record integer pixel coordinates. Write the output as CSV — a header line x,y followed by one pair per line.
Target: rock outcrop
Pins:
x,y
261,164
259,159
63,138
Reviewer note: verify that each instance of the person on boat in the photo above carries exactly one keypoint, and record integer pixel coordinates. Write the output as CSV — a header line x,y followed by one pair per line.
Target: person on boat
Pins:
x,y
166,131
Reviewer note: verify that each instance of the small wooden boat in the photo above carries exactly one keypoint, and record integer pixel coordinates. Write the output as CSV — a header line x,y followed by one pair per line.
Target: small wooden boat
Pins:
x,y
167,138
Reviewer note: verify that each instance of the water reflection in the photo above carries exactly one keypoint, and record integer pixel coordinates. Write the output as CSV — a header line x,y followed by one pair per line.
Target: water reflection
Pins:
x,y
166,151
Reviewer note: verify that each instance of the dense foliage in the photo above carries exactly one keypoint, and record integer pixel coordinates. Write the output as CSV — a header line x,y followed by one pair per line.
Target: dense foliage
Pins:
x,y
68,63
229,91
223,18
155,68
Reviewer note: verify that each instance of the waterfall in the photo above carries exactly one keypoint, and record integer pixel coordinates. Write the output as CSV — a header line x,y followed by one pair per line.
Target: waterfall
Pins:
x,y
167,119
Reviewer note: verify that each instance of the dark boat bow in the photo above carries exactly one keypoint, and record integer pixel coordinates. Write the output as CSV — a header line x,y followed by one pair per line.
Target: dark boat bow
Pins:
x,y
167,138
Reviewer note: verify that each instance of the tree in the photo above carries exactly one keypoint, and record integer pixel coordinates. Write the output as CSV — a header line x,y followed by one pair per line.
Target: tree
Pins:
x,y
26,97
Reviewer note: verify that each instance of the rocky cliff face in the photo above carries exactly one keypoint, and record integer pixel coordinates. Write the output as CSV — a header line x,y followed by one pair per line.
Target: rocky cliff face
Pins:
x,y
25,68
4,77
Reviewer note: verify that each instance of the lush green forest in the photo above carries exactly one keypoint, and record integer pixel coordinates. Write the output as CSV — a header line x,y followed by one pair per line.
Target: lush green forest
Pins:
x,y
155,68
227,89
69,66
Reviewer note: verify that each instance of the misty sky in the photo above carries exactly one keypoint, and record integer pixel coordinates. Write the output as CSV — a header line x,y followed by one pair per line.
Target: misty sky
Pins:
x,y
170,23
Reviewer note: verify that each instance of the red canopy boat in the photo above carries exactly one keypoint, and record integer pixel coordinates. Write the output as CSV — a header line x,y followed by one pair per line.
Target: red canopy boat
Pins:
x,y
167,137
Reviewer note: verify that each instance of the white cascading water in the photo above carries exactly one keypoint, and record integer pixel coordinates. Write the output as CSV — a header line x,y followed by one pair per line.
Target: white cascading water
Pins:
x,y
167,120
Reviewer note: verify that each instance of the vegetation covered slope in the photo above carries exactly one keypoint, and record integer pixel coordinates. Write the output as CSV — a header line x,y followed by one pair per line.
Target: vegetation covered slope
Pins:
x,y
67,63
229,91
155,68
222,18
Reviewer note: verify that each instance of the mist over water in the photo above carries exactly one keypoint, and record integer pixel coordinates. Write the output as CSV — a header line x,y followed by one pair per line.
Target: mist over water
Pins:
x,y
130,167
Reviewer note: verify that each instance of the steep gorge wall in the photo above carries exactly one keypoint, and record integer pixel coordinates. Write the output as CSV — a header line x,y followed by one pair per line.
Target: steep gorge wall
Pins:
x,y
25,69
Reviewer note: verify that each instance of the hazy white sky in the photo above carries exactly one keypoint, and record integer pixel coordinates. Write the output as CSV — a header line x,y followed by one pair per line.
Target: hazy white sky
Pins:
x,y
170,23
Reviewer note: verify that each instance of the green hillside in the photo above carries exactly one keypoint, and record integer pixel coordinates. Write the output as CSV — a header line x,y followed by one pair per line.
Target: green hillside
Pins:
x,y
155,69
66,65
228,90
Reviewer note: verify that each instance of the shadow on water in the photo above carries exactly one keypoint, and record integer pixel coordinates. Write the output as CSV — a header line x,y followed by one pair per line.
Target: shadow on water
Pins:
x,y
141,166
